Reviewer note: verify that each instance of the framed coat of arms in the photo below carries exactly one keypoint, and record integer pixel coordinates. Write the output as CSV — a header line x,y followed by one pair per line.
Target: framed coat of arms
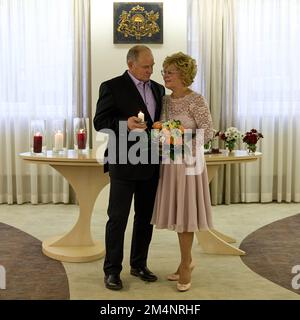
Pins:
x,y
138,22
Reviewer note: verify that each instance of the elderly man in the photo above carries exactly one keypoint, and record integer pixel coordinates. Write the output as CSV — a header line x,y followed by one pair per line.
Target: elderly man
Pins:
x,y
121,99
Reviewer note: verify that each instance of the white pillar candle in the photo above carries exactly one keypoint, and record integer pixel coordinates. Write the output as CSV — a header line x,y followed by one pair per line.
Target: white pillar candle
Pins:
x,y
58,140
141,116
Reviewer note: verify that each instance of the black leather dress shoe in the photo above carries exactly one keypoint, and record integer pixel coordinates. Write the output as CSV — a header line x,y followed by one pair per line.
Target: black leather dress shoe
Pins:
x,y
113,282
143,273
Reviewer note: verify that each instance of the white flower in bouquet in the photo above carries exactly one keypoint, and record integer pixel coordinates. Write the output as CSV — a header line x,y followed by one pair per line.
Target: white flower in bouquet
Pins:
x,y
232,133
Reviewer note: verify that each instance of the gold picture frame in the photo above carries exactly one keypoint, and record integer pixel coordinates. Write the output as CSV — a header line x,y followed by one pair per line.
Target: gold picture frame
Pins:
x,y
138,22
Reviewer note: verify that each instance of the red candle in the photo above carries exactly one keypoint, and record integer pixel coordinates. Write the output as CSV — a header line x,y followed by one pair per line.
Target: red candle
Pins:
x,y
37,143
81,139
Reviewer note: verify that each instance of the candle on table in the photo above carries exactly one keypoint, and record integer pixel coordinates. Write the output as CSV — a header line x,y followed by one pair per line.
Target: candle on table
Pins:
x,y
37,143
81,139
58,140
141,116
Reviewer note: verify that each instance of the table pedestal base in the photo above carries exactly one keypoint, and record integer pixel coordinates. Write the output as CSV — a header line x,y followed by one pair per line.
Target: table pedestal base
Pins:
x,y
212,244
73,253
223,236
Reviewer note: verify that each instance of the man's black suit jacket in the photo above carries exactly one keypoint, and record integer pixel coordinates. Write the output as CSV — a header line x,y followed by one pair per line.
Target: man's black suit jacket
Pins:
x,y
119,99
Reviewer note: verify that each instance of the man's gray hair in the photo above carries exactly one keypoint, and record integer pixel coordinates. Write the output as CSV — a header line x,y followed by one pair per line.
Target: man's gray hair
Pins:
x,y
134,52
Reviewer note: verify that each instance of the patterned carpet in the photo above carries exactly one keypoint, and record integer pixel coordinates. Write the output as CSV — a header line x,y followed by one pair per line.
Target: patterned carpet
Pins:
x,y
273,250
29,273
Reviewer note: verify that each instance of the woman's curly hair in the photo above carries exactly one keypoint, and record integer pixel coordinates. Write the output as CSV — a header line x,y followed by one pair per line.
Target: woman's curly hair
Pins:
x,y
185,64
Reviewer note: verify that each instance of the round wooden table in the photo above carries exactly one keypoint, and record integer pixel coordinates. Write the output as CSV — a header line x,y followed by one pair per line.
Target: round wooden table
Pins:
x,y
215,160
87,178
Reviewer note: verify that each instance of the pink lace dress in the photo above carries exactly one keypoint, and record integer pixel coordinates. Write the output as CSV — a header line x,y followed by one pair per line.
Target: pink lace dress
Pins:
x,y
182,201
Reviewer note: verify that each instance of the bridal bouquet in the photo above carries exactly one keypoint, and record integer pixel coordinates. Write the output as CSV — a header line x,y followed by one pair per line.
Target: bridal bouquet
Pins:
x,y
170,136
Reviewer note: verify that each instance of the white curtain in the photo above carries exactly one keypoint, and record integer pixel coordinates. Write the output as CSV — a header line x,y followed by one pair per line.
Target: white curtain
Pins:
x,y
248,51
36,82
268,51
211,41
82,61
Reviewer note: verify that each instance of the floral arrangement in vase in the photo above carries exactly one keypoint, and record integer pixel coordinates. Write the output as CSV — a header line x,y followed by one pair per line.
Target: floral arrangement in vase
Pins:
x,y
231,136
251,138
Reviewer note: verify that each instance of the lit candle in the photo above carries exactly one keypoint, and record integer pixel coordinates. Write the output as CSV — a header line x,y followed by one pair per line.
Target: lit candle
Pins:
x,y
58,140
141,116
81,139
37,143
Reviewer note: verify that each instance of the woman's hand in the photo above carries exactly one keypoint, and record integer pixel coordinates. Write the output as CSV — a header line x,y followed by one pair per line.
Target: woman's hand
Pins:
x,y
157,125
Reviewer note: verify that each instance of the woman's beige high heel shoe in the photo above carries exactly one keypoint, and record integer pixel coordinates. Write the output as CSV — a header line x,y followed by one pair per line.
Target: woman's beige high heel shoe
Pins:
x,y
183,286
175,276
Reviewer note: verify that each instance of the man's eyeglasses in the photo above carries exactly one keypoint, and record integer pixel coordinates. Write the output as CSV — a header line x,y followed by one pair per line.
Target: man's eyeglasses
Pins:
x,y
167,73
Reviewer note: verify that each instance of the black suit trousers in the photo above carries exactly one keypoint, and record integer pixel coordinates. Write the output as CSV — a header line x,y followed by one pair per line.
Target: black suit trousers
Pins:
x,y
120,199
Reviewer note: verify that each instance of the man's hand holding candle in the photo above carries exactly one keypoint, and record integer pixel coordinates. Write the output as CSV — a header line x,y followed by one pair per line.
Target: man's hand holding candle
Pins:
x,y
138,122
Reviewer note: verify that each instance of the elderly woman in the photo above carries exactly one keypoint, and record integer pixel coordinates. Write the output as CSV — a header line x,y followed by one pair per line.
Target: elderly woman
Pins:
x,y
182,200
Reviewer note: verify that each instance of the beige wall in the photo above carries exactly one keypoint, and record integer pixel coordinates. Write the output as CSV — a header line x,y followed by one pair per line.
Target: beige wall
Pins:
x,y
108,59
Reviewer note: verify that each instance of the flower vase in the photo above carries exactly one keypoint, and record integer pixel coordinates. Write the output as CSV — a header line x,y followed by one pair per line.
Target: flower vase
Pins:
x,y
230,146
251,148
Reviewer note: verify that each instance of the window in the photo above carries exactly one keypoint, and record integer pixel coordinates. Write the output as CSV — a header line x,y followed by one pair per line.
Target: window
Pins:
x,y
36,43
